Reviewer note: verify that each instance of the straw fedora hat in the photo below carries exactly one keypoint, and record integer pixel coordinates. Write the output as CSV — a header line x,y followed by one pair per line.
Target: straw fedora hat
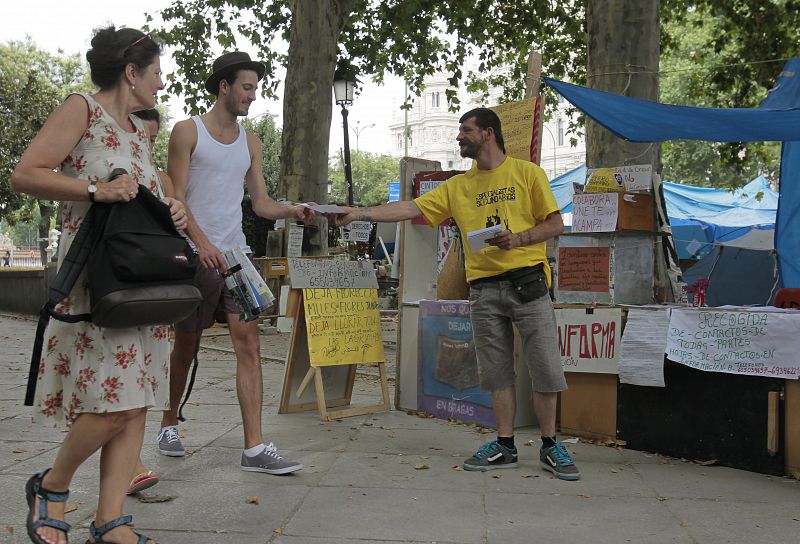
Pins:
x,y
228,62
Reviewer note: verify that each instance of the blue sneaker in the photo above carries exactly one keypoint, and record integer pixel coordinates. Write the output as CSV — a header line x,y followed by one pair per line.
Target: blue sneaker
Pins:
x,y
557,460
490,456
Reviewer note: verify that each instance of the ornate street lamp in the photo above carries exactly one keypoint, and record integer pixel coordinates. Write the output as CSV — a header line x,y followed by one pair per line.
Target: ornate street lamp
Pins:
x,y
344,83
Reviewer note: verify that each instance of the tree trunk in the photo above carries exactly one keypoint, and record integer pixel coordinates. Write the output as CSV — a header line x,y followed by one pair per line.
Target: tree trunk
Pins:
x,y
307,106
623,50
46,210
622,53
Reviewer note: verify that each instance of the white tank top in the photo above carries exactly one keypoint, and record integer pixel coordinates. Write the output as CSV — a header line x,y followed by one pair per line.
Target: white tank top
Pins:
x,y
215,188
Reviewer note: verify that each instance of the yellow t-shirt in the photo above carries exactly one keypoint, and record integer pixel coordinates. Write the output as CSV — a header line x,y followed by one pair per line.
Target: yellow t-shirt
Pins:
x,y
516,195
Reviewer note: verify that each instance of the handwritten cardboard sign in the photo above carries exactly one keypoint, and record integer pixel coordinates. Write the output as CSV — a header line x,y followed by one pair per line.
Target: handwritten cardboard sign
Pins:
x,y
517,119
584,269
595,212
357,231
589,342
343,326
294,247
755,341
331,273
428,185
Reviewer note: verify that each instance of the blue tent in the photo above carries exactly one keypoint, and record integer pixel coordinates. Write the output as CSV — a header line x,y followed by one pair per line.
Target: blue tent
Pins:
x,y
777,118
701,217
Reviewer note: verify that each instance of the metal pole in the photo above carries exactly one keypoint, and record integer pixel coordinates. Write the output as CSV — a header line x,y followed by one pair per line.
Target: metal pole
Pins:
x,y
554,149
348,174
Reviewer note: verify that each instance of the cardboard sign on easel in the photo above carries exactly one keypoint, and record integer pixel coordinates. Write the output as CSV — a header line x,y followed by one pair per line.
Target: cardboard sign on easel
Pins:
x,y
337,325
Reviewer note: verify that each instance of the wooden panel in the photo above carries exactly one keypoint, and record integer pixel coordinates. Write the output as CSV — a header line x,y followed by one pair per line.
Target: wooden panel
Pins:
x,y
589,406
792,428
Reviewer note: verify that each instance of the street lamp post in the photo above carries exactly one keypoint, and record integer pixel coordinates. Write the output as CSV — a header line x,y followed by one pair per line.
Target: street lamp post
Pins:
x,y
358,129
343,86
554,149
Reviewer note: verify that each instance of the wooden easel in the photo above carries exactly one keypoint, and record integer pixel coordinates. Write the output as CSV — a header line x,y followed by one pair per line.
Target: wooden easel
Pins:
x,y
333,384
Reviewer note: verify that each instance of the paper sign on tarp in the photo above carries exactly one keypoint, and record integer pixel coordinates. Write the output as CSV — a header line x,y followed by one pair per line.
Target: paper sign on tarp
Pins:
x,y
589,342
595,212
635,178
357,231
343,326
759,341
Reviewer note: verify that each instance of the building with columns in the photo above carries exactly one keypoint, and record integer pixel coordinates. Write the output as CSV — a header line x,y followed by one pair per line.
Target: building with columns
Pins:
x,y
431,130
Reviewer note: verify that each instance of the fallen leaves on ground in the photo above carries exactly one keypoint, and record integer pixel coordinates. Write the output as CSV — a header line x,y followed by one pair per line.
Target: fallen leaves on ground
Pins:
x,y
421,466
584,495
155,498
71,507
252,500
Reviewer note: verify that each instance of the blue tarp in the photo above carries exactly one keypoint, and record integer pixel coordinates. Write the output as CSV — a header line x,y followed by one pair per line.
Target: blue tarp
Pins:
x,y
700,216
776,119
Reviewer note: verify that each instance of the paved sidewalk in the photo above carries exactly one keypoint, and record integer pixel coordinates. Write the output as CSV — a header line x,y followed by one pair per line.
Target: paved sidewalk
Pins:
x,y
384,478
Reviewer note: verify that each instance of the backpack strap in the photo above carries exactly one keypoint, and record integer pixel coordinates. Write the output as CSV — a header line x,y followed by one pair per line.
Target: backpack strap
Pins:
x,y
191,379
71,267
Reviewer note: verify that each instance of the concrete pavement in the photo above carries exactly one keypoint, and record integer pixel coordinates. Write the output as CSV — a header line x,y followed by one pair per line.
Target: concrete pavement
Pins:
x,y
383,478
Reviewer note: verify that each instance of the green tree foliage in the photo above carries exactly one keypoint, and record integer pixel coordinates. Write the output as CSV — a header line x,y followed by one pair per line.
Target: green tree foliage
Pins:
x,y
162,140
408,38
255,228
32,84
724,53
371,176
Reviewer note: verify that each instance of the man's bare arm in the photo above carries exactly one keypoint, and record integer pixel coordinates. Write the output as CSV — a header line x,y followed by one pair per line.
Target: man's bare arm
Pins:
x,y
391,211
182,142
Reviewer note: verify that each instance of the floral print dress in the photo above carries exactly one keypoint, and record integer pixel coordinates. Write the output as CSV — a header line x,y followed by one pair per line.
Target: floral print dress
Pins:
x,y
86,368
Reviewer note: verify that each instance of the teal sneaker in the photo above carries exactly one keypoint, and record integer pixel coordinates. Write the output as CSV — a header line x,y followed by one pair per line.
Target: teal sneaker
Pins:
x,y
557,460
490,456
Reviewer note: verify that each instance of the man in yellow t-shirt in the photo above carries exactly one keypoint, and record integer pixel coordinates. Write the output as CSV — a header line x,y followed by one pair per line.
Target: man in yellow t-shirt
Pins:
x,y
508,280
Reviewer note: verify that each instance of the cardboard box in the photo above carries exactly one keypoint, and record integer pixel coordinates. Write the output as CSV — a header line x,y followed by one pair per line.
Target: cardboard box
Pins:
x,y
609,212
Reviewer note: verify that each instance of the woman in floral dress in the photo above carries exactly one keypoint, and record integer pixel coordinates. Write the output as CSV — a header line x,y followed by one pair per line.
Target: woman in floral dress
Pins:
x,y
99,382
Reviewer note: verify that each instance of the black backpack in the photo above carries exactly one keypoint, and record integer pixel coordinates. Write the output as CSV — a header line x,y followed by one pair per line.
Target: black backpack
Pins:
x,y
140,271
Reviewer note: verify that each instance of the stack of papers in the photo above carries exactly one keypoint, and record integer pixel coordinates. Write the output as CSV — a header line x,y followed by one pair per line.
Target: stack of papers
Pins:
x,y
478,238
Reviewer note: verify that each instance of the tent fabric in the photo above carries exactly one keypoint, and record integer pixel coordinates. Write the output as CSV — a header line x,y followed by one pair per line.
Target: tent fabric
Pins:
x,y
787,227
701,217
736,276
640,120
777,118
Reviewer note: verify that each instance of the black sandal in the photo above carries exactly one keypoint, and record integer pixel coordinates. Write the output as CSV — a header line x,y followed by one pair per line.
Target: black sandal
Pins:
x,y
98,532
34,489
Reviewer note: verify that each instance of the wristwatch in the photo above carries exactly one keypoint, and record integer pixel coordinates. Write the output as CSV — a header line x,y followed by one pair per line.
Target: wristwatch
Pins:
x,y
92,189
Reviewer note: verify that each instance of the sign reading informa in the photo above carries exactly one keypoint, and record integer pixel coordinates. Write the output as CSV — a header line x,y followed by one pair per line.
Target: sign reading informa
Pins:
x,y
752,341
357,231
589,342
595,212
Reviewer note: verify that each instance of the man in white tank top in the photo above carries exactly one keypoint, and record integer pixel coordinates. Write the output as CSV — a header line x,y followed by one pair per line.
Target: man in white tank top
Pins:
x,y
211,158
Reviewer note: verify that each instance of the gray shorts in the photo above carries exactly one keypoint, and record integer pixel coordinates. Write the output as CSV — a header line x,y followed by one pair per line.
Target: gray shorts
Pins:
x,y
494,306
217,302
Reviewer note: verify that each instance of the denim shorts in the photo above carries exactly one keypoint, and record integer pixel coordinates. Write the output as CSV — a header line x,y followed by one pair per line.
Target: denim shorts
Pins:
x,y
494,307
217,302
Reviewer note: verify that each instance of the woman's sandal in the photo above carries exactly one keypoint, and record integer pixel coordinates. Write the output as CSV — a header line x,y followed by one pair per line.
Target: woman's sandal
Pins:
x,y
142,481
98,532
34,489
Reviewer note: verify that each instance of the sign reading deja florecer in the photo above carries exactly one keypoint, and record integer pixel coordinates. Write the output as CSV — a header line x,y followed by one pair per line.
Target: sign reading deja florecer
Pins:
x,y
759,341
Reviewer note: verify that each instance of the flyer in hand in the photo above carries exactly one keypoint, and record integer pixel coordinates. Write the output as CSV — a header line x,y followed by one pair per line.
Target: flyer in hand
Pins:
x,y
250,293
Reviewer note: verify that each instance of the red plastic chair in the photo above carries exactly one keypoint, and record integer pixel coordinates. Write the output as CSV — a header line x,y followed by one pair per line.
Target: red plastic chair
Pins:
x,y
788,297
